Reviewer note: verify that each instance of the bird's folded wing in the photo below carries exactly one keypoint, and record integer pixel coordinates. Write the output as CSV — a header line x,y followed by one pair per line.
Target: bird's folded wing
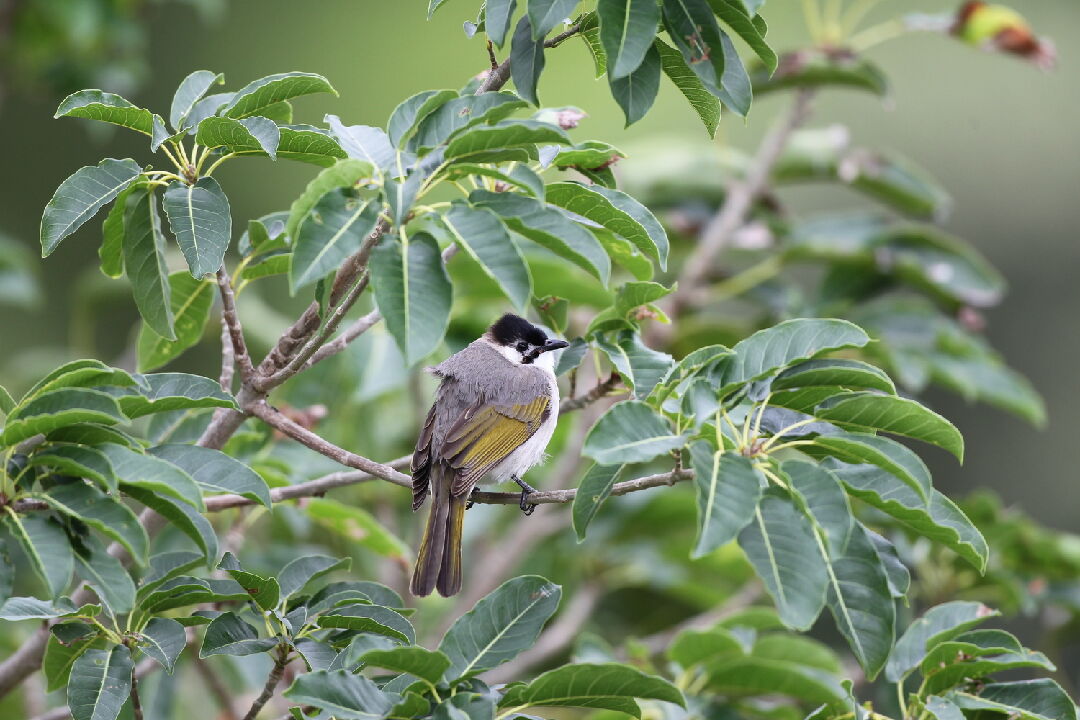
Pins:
x,y
486,434
421,461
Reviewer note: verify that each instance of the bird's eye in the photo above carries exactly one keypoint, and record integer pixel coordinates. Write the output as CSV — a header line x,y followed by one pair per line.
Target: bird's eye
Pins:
x,y
522,347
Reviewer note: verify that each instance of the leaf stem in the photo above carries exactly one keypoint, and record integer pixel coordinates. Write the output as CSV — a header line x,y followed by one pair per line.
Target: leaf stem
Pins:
x,y
165,149
784,431
223,158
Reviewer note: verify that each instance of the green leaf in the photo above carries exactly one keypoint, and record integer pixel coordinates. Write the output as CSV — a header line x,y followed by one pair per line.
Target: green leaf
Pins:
x,y
456,116
47,548
500,626
611,210
250,135
255,97
7,403
477,143
227,634
888,413
590,34
356,591
317,655
780,346
629,432
693,28
303,143
363,142
100,683
481,234
692,647
102,512
263,591
413,294
165,566
370,619
526,60
190,300
165,392
416,661
111,252
335,228
215,471
942,709
835,372
497,14
81,195
60,655
520,176
686,80
771,676
190,91
182,515
408,115
200,218
739,20
728,491
643,216
91,434
163,639
81,373
1041,699
886,454
627,29
593,490
813,70
298,573
358,526
32,608
106,107
108,578
157,476
610,686
948,672
185,591
344,173
639,366
589,154
938,624
341,694
143,247
544,15
548,228
780,544
636,92
60,408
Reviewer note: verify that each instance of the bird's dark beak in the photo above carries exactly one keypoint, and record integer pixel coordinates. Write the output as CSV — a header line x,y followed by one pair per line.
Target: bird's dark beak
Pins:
x,y
554,345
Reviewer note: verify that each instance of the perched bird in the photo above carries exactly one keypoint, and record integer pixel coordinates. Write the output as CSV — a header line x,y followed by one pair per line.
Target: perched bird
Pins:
x,y
492,418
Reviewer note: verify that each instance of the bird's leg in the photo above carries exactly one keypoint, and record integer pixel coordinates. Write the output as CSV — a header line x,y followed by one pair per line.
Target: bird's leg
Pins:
x,y
526,490
470,502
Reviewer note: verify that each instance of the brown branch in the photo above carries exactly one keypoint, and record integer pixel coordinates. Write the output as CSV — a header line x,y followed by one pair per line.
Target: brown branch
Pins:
x,y
271,683
231,320
601,390
500,75
228,358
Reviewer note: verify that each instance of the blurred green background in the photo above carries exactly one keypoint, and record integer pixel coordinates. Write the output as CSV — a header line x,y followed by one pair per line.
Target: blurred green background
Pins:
x,y
997,132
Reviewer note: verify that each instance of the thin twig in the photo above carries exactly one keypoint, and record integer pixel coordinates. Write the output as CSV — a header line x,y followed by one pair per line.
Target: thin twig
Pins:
x,y
232,323
271,683
500,75
228,358
136,702
601,390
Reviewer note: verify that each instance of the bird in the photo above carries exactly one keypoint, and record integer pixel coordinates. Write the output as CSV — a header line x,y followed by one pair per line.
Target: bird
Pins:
x,y
492,418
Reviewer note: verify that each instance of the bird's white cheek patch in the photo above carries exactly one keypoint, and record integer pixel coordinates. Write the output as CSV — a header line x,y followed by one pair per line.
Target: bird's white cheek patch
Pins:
x,y
508,352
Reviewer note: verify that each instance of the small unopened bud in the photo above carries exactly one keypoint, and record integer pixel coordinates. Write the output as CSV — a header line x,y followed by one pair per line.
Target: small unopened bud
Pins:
x,y
568,118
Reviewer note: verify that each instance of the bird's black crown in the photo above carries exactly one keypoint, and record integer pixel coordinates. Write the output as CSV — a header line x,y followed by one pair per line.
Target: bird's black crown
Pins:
x,y
511,328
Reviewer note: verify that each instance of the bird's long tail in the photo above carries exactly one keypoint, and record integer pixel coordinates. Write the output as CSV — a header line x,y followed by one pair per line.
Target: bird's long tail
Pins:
x,y
438,561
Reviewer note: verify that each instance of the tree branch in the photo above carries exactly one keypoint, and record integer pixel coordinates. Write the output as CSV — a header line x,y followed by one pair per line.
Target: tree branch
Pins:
x,y
500,75
271,683
601,390
228,358
232,322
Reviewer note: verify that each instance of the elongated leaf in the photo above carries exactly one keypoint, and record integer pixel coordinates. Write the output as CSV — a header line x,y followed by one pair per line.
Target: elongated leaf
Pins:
x,y
411,112
248,135
227,634
190,91
544,15
692,26
739,21
413,660
887,454
298,573
520,176
549,228
941,709
363,142
60,408
810,70
950,672
106,107
497,14
344,173
456,116
901,416
780,544
263,591
643,216
370,619
835,371
32,608
215,471
165,392
526,60
158,476
84,462
481,234
611,686
341,694
500,626
636,92
728,491
1041,699
335,229
80,196
413,292
608,211
200,218
640,367
143,246
627,29
190,300
750,676
938,624
476,144
108,578
594,489
46,547
630,432
102,512
60,655
99,684
163,639
255,97
165,566
692,647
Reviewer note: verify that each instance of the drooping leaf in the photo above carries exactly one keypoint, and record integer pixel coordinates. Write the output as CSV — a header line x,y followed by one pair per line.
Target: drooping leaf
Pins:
x,y
46,547
408,115
639,366
888,413
60,655
500,626
612,210
481,234
106,107
108,578
497,14
81,195
692,26
739,21
191,90
612,686
630,432
200,218
636,92
215,471
157,476
728,490
100,683
255,97
592,492
889,455
544,15
341,694
335,228
413,293
102,512
190,300
163,639
526,60
627,29
143,247
363,142
227,634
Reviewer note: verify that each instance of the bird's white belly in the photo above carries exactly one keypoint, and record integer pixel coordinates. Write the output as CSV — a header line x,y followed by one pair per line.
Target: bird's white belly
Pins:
x,y
532,451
